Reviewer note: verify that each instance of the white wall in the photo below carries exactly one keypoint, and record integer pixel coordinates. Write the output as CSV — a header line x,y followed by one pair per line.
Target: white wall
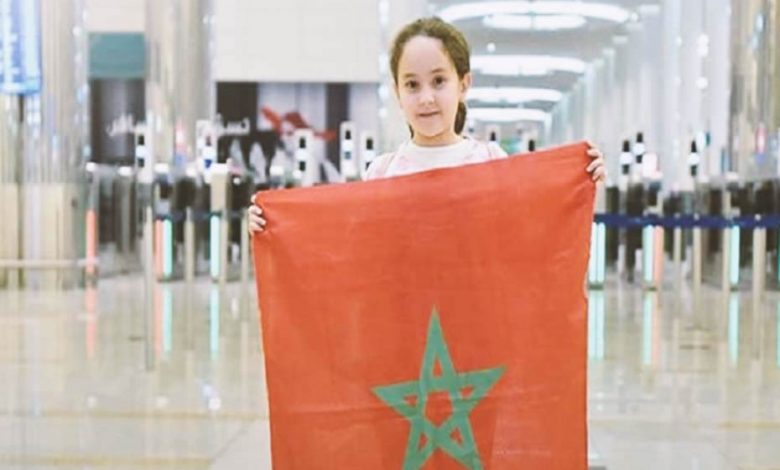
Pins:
x,y
364,107
297,40
718,72
115,16
269,41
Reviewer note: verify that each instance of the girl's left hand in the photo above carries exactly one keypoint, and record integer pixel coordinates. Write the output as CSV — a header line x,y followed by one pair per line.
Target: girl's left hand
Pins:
x,y
596,168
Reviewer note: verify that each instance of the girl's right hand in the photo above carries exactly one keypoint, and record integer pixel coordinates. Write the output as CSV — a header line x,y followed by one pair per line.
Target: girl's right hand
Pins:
x,y
255,216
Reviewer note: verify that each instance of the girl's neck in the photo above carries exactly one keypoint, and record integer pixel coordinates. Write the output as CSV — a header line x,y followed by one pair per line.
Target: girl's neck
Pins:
x,y
438,141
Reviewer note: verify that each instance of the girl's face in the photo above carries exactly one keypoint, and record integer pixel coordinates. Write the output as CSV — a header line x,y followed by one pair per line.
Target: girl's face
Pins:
x,y
429,91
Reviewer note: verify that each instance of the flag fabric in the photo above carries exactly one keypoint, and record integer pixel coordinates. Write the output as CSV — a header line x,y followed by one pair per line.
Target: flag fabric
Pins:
x,y
430,321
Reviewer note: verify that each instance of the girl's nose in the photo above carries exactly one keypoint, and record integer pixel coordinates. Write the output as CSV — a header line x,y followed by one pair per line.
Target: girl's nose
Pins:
x,y
426,96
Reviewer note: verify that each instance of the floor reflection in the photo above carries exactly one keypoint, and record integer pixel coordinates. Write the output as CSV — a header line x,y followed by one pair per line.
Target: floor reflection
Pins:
x,y
676,381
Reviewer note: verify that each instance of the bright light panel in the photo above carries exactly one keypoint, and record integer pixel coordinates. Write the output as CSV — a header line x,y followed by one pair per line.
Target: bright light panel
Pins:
x,y
600,11
526,65
508,115
514,95
534,22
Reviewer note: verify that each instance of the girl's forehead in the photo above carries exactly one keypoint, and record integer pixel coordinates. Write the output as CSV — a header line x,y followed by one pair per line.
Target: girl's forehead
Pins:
x,y
422,54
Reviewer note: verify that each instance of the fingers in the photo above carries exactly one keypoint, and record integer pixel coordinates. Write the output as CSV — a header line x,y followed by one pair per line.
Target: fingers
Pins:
x,y
256,227
256,224
598,162
255,220
596,167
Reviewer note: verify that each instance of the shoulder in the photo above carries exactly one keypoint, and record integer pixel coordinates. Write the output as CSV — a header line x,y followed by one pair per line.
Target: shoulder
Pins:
x,y
488,150
495,150
378,168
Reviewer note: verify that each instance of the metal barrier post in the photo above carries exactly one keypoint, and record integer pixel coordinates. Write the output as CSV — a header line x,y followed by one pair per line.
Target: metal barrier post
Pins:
x,y
244,252
658,262
215,249
219,221
677,251
149,281
759,262
652,256
93,204
598,253
245,259
189,246
647,256
189,274
696,259
163,235
734,254
725,283
224,227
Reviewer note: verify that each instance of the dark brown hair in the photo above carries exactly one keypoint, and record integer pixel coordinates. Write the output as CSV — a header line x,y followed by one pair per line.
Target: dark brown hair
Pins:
x,y
454,44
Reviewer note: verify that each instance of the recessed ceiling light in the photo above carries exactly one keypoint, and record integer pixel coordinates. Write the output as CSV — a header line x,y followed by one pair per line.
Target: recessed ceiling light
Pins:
x,y
599,11
508,115
513,95
534,22
526,65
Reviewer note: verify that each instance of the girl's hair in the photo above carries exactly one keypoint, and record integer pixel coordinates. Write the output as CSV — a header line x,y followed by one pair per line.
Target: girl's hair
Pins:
x,y
454,44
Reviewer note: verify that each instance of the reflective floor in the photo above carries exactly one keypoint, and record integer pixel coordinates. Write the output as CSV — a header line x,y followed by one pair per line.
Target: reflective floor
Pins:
x,y
676,382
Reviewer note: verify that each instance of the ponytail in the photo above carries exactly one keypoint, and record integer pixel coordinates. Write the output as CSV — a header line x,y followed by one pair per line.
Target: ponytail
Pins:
x,y
460,118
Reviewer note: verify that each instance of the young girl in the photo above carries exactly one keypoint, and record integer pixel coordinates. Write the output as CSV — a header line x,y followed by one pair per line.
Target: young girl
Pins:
x,y
430,62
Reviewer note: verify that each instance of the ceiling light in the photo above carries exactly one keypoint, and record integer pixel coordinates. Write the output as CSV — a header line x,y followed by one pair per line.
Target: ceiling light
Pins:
x,y
508,114
514,95
600,11
534,22
526,65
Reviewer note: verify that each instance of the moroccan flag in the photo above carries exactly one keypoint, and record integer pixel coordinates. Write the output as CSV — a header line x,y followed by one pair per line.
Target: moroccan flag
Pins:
x,y
430,321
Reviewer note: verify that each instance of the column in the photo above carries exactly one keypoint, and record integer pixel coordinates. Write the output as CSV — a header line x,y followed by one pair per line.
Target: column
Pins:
x,y
55,148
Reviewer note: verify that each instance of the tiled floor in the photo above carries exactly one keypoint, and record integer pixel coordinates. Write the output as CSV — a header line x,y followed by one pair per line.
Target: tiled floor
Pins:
x,y
675,382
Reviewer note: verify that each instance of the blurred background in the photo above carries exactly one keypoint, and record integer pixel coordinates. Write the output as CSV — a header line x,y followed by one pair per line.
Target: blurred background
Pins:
x,y
133,133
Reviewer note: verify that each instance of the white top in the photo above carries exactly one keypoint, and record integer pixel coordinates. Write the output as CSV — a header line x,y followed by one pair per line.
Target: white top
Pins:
x,y
412,158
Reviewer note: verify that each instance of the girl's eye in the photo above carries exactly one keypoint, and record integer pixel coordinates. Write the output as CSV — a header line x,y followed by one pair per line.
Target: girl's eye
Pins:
x,y
411,85
439,81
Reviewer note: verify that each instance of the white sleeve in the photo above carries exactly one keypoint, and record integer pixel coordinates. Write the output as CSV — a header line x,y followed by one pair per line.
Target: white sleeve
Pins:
x,y
378,168
496,151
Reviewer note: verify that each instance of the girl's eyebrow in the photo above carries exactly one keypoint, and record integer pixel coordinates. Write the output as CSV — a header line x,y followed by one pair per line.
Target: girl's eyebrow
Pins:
x,y
436,70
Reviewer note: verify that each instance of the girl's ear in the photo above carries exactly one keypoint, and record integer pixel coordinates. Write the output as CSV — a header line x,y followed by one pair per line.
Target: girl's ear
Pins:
x,y
465,84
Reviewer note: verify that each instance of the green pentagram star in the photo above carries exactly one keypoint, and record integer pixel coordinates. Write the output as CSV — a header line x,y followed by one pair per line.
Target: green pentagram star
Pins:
x,y
465,390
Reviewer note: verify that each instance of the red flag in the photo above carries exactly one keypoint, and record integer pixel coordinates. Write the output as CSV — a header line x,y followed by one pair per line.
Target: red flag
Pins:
x,y
430,321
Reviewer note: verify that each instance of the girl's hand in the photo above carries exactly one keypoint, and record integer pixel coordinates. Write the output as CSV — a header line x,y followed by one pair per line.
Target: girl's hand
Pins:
x,y
596,167
255,217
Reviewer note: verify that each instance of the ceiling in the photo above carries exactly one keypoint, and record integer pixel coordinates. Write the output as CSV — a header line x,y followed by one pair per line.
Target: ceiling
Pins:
x,y
585,43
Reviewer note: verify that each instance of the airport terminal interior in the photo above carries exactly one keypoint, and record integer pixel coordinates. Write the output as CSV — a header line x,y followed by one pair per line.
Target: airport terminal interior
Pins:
x,y
133,134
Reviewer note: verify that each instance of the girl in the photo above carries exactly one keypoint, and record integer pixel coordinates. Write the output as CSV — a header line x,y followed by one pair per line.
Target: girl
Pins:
x,y
430,62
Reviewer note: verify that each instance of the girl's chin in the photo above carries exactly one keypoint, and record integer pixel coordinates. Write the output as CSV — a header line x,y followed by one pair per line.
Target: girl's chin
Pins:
x,y
429,133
